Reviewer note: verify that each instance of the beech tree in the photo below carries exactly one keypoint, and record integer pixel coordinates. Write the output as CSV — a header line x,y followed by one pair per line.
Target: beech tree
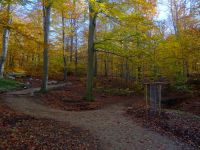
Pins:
x,y
90,69
6,29
46,25
6,35
123,40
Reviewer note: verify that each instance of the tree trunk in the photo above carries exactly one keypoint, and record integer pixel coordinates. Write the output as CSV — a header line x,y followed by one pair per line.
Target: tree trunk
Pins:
x,y
72,25
90,69
95,64
112,63
64,48
139,72
46,19
76,54
105,65
71,39
127,72
6,35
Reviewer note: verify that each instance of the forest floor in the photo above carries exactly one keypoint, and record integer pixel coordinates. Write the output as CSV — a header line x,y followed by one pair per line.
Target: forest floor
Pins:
x,y
21,131
107,122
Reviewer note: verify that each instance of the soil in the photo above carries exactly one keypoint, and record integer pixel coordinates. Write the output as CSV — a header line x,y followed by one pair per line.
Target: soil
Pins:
x,y
184,102
68,97
107,121
113,129
182,125
20,131
71,97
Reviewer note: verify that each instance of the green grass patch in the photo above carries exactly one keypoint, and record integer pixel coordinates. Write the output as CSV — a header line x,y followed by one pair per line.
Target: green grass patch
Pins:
x,y
7,85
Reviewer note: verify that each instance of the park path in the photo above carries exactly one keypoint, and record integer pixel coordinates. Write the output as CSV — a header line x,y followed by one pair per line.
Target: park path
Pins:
x,y
109,125
32,90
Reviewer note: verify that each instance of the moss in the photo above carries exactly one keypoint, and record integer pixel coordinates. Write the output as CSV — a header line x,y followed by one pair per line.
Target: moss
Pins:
x,y
6,85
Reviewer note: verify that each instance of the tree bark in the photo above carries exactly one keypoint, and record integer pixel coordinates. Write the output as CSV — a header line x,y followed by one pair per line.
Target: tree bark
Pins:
x,y
64,48
95,64
6,35
72,25
76,54
105,65
71,38
46,26
90,68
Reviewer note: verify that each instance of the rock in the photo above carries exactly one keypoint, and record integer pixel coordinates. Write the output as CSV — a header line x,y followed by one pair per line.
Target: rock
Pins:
x,y
16,75
27,85
129,109
11,77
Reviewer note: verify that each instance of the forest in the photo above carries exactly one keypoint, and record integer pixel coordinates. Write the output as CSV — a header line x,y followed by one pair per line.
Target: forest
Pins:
x,y
100,74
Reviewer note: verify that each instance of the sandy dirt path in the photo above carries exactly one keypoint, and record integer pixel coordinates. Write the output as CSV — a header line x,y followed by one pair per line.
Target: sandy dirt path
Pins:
x,y
109,125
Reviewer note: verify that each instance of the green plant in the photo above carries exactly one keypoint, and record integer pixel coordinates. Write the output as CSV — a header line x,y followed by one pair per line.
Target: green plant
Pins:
x,y
181,83
6,84
138,87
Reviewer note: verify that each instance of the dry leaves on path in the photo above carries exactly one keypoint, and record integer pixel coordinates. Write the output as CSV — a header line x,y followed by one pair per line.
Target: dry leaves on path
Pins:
x,y
19,131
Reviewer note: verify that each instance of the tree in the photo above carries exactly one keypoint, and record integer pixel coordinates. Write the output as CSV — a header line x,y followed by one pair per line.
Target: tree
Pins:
x,y
6,35
46,28
182,19
64,47
6,30
90,68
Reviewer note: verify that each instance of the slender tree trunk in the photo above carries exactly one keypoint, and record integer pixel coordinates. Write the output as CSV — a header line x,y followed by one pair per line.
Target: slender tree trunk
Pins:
x,y
71,47
76,54
95,58
105,65
139,67
139,76
127,71
90,69
112,73
72,24
6,35
46,18
76,42
95,64
22,60
12,62
71,39
64,48
122,72
38,55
